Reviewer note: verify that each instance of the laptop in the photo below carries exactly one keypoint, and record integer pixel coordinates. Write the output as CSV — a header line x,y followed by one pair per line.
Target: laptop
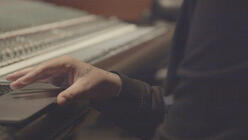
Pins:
x,y
20,106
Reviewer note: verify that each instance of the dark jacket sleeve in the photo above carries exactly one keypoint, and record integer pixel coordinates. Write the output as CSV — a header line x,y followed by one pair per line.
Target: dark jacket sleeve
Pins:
x,y
138,108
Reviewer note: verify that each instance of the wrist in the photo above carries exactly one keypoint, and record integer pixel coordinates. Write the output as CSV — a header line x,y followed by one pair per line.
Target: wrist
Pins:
x,y
112,88
116,81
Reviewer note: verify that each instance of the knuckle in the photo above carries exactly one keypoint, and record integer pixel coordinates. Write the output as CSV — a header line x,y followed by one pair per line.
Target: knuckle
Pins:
x,y
67,61
70,96
40,69
67,58
67,65
87,86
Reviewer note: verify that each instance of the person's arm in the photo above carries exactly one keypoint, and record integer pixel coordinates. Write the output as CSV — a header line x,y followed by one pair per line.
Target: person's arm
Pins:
x,y
139,107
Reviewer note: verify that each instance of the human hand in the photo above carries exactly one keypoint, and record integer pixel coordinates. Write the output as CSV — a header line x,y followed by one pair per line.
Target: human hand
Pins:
x,y
82,81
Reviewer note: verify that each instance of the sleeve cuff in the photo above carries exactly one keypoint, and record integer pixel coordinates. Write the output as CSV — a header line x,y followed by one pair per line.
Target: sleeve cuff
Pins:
x,y
127,93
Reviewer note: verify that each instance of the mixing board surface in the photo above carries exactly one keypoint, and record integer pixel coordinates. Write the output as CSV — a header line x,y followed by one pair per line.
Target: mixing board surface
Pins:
x,y
32,32
18,14
32,29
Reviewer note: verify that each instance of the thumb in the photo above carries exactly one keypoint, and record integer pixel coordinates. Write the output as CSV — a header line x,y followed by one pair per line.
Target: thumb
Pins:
x,y
71,93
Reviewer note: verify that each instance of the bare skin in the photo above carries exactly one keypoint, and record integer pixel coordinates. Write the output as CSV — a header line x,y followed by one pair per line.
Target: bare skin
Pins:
x,y
80,80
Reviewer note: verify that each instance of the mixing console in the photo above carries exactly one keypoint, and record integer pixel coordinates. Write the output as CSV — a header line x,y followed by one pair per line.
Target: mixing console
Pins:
x,y
20,47
33,32
46,34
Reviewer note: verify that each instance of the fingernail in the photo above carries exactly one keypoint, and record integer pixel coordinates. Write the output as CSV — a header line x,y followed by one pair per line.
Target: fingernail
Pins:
x,y
61,101
23,80
11,74
9,79
8,76
13,86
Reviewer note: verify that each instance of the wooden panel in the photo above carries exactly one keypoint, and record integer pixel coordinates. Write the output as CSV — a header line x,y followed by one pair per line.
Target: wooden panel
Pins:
x,y
131,10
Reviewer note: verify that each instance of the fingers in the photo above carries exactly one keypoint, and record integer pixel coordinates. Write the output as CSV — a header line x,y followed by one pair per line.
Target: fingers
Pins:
x,y
45,70
50,69
36,74
14,76
25,80
72,92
